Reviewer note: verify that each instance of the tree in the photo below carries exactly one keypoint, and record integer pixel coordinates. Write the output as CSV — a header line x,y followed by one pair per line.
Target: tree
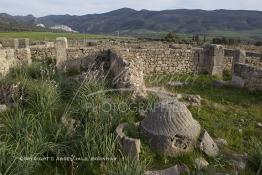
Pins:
x,y
196,38
172,37
258,43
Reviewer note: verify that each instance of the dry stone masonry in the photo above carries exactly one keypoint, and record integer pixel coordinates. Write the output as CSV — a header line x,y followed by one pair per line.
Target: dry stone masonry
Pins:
x,y
130,61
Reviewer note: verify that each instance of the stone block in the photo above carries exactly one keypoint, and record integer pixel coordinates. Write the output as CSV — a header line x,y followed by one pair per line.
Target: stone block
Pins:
x,y
23,43
61,45
9,43
207,145
130,146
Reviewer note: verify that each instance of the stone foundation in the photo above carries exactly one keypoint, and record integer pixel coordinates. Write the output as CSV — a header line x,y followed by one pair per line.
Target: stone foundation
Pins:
x,y
130,61
247,76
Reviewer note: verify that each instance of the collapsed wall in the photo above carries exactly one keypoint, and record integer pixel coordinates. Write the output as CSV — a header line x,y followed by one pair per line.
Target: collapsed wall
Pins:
x,y
127,71
248,76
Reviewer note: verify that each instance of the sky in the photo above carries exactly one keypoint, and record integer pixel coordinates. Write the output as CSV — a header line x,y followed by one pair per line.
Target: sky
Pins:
x,y
81,7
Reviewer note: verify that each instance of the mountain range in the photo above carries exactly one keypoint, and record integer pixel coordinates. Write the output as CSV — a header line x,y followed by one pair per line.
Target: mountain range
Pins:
x,y
127,20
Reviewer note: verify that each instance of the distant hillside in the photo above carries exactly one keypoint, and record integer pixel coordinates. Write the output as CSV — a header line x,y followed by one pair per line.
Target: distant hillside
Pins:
x,y
127,21
18,23
182,21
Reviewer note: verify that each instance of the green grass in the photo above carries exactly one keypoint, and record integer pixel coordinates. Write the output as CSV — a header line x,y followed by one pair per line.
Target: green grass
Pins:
x,y
55,116
40,36
243,35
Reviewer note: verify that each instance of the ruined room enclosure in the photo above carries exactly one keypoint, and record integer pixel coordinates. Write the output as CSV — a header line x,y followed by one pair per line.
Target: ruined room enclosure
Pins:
x,y
129,67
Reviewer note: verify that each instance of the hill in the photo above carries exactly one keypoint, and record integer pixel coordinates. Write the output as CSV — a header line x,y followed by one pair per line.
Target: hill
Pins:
x,y
129,21
182,21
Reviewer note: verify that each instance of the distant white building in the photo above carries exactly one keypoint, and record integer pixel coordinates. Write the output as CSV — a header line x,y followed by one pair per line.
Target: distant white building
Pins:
x,y
64,28
40,25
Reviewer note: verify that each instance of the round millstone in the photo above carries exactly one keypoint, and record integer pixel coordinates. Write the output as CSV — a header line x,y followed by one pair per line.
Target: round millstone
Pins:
x,y
170,128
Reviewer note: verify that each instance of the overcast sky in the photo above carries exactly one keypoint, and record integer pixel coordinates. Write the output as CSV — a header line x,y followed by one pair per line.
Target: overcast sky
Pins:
x,y
81,7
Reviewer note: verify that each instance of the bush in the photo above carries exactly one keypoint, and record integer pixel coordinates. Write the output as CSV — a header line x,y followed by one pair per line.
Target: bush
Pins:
x,y
40,97
172,37
258,43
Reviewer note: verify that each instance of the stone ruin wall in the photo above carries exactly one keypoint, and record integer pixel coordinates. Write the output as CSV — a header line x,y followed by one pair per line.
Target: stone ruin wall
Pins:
x,y
39,54
251,58
6,60
143,58
128,72
13,52
165,61
248,76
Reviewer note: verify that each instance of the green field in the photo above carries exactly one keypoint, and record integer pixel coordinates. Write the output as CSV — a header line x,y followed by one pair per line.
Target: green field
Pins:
x,y
242,35
52,36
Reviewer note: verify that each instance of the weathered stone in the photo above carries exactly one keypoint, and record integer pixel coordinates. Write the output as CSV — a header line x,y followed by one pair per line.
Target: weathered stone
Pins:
x,y
214,58
259,124
193,100
221,83
239,161
61,54
130,146
3,108
70,124
239,56
207,145
247,76
238,81
175,170
170,128
221,142
200,163
23,43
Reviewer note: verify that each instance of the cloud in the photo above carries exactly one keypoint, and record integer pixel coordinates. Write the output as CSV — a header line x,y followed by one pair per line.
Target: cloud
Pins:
x,y
81,7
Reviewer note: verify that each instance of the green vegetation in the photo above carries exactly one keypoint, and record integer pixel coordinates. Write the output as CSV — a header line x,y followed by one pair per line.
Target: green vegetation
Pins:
x,y
242,35
55,116
52,36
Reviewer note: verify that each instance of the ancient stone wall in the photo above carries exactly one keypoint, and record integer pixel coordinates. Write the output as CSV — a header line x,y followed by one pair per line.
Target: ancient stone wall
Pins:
x,y
254,59
247,76
7,60
9,43
165,61
127,72
23,56
84,57
10,58
251,58
42,53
